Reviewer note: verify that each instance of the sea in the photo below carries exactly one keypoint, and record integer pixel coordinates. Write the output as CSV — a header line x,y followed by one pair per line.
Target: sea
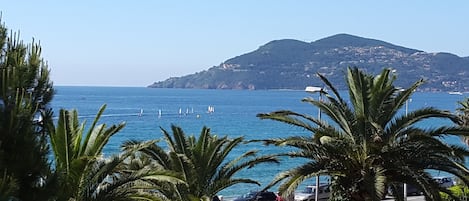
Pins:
x,y
229,113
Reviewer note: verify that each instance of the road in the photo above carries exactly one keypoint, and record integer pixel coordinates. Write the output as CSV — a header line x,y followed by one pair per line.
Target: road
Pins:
x,y
410,198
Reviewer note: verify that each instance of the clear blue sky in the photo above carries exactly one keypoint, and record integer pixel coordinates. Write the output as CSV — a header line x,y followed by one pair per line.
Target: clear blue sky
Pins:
x,y
134,43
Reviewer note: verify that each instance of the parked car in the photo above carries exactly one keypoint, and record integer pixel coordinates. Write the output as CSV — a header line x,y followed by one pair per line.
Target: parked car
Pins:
x,y
258,196
309,193
445,182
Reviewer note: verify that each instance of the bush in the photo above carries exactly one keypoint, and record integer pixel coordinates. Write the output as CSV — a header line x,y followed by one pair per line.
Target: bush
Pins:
x,y
460,191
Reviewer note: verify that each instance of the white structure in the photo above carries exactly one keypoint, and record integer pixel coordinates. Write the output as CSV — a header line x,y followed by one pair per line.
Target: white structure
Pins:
x,y
311,89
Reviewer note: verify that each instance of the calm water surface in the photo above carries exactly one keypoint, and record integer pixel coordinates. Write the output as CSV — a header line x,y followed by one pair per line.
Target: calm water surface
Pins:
x,y
145,110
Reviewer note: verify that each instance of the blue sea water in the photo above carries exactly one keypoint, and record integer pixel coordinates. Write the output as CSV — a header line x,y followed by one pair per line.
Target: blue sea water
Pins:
x,y
146,110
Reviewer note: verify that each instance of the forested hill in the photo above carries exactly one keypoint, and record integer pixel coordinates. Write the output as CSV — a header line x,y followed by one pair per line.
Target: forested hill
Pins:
x,y
293,64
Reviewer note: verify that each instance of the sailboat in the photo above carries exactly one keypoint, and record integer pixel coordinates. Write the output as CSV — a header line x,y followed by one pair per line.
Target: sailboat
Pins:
x,y
455,93
210,109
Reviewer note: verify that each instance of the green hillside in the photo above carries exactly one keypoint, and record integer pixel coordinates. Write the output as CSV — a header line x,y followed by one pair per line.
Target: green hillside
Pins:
x,y
293,64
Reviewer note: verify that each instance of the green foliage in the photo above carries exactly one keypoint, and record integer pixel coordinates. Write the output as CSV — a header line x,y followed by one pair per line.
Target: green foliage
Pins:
x,y
460,193
25,94
8,187
367,145
202,162
463,114
111,179
83,173
74,156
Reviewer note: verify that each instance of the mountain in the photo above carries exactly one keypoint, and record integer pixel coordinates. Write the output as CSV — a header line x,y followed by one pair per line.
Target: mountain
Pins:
x,y
293,64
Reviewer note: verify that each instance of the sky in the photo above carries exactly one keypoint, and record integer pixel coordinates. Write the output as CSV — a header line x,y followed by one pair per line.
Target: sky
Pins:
x,y
135,43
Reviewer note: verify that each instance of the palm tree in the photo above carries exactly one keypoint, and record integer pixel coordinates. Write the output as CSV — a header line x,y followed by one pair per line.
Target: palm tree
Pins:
x,y
8,187
203,163
367,145
25,94
75,152
84,174
464,116
111,180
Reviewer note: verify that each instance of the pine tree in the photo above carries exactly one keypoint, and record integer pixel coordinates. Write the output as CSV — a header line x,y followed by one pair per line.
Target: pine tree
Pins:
x,y
25,94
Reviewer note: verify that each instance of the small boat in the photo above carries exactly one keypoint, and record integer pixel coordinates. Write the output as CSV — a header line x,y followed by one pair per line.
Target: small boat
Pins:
x,y
455,93
311,89
210,109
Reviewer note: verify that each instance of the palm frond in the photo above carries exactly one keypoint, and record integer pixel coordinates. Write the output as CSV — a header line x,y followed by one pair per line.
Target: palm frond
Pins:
x,y
367,145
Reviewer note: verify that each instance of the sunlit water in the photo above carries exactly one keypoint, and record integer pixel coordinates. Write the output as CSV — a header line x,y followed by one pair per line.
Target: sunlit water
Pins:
x,y
145,110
